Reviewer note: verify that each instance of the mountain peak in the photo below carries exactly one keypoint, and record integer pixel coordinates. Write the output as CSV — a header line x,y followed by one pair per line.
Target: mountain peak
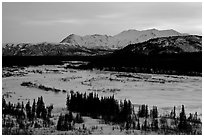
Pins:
x,y
153,29
129,30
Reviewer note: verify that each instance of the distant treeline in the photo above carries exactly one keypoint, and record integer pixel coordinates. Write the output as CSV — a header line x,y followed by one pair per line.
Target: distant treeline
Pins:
x,y
39,60
178,64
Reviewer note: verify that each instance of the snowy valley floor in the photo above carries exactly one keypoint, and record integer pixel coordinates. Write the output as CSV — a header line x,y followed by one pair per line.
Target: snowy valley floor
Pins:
x,y
163,91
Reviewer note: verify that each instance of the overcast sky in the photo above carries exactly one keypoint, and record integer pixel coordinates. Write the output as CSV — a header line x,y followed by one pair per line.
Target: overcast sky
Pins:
x,y
51,22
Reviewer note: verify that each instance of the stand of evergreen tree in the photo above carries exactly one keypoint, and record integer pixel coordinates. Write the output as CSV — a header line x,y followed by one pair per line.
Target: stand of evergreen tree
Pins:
x,y
107,108
66,122
16,110
27,112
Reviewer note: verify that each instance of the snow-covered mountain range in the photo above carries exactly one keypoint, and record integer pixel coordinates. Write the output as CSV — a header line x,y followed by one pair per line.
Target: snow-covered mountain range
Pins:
x,y
160,41
120,40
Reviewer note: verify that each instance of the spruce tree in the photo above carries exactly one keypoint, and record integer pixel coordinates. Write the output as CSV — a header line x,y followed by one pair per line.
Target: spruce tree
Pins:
x,y
33,109
70,116
59,122
146,111
28,110
154,112
183,122
145,125
38,109
138,124
174,116
49,109
68,101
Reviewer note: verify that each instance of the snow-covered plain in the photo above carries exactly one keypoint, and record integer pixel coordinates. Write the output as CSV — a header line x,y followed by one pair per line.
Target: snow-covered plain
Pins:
x,y
164,91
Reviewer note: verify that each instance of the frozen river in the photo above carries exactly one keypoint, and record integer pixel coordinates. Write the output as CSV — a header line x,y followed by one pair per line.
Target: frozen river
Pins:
x,y
164,91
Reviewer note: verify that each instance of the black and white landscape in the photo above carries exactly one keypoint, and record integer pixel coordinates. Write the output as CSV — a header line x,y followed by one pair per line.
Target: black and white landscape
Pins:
x,y
138,82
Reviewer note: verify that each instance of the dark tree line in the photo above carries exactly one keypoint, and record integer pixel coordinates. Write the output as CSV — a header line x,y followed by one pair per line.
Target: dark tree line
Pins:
x,y
23,112
39,86
107,108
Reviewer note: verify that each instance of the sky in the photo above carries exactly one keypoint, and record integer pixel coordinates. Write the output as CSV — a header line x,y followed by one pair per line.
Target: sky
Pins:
x,y
53,21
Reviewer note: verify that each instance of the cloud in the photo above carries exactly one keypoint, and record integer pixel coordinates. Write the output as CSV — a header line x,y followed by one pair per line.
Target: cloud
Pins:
x,y
45,19
53,22
67,21
111,15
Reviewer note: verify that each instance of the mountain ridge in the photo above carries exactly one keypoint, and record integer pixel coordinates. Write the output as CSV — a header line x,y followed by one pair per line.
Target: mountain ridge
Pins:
x,y
120,40
165,45
48,49
172,44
